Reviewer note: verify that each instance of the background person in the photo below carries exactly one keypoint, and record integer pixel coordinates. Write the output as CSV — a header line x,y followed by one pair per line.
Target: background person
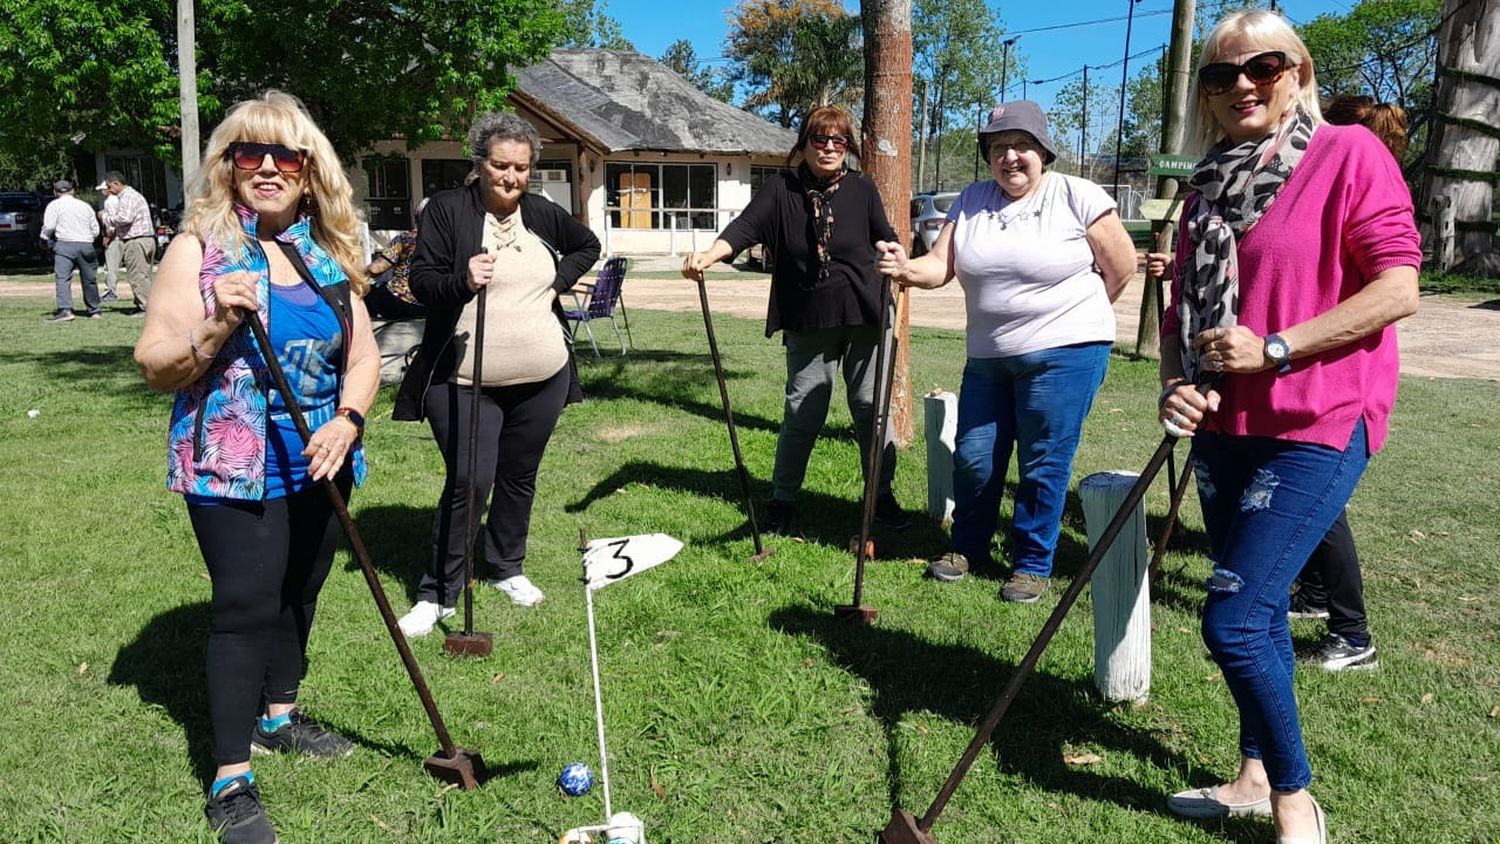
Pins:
x,y
1316,225
526,251
130,223
821,221
69,223
1040,256
112,248
1331,585
391,297
267,533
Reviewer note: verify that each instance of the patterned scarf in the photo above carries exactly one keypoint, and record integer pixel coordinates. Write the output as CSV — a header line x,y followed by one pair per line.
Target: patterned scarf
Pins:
x,y
1236,184
820,194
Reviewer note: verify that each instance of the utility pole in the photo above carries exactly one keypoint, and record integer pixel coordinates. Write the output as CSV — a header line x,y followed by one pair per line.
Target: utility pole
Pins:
x,y
1083,138
922,140
1176,88
187,89
937,130
1124,82
978,126
1005,63
887,146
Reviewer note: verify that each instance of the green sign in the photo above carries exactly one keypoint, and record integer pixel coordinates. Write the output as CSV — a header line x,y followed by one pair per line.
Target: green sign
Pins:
x,y
1175,166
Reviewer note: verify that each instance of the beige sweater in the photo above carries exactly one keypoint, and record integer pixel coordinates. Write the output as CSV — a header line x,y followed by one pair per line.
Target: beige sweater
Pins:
x,y
523,341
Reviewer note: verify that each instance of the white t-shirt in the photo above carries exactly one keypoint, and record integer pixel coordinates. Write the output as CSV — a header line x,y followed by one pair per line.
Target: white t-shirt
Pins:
x,y
1027,269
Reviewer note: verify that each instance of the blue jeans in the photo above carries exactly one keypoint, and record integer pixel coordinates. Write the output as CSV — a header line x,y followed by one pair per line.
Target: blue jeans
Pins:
x,y
1037,401
1267,503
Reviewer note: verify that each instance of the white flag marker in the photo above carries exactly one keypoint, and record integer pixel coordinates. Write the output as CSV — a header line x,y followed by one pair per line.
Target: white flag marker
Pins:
x,y
611,560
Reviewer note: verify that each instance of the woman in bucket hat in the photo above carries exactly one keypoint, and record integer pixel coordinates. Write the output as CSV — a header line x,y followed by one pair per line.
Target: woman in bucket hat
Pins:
x,y
1041,256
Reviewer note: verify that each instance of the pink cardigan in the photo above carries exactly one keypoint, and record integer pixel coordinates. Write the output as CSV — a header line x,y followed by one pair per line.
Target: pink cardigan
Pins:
x,y
1343,217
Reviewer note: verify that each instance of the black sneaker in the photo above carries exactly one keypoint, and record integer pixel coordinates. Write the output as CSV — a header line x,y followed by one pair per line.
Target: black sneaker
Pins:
x,y
108,297
1301,607
1335,653
303,735
779,517
949,567
237,815
889,514
61,315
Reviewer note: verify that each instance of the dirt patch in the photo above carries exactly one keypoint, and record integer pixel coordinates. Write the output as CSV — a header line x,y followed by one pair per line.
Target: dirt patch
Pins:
x,y
619,433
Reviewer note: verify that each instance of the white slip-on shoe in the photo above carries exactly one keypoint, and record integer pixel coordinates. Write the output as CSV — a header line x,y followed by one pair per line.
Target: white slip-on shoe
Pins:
x,y
1204,804
1320,838
521,591
419,622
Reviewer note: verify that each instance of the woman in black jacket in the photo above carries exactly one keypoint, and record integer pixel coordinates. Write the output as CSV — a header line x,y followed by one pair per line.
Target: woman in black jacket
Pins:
x,y
821,221
524,251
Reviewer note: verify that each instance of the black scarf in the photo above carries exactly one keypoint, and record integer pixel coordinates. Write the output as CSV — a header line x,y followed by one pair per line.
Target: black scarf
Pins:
x,y
820,195
1236,183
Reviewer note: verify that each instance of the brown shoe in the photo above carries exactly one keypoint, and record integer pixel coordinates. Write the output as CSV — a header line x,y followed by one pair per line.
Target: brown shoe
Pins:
x,y
949,567
1023,588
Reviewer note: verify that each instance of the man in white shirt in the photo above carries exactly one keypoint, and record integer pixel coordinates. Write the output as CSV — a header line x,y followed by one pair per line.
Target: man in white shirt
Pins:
x,y
70,224
131,224
112,246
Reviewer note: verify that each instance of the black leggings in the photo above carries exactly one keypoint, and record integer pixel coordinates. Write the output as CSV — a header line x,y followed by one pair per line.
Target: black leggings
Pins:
x,y
267,561
515,424
1332,578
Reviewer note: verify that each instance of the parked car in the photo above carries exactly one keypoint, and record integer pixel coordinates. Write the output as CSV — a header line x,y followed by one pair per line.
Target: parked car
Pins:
x,y
21,224
928,213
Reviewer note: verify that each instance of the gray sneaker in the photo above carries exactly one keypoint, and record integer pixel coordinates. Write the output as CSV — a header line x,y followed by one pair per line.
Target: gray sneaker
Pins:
x,y
1336,653
949,567
1023,588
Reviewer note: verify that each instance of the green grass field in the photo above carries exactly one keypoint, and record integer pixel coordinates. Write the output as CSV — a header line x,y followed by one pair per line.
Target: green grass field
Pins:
x,y
738,709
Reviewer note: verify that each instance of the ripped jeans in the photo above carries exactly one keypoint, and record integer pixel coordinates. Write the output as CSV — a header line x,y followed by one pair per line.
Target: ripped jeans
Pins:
x,y
1266,504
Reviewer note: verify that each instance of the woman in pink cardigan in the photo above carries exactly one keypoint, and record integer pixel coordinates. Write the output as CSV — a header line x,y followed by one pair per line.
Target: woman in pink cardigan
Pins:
x,y
1298,253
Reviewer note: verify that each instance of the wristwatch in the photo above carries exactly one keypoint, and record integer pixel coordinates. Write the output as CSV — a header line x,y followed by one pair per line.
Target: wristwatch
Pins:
x,y
1278,353
353,416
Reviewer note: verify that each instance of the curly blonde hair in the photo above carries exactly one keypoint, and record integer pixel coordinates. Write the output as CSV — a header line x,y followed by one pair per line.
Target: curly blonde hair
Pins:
x,y
276,117
1268,31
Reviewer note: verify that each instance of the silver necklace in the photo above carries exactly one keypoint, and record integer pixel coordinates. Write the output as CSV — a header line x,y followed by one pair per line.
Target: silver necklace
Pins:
x,y
1017,210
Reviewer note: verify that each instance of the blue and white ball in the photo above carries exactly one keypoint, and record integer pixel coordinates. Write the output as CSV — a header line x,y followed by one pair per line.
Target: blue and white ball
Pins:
x,y
576,779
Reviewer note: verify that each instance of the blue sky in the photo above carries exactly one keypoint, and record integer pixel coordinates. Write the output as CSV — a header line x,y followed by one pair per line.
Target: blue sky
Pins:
x,y
653,24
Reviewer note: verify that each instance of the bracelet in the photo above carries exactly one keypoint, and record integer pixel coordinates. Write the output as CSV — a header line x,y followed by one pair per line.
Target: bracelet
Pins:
x,y
193,344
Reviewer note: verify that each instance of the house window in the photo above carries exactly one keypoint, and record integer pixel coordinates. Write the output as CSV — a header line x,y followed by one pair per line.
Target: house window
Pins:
x,y
388,189
760,175
662,196
443,173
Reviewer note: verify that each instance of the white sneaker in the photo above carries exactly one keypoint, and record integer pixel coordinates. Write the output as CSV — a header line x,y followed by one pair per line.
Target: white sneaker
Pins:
x,y
423,616
521,591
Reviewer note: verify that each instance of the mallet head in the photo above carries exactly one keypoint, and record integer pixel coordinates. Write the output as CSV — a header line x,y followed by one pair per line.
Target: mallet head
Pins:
x,y
464,768
468,644
903,829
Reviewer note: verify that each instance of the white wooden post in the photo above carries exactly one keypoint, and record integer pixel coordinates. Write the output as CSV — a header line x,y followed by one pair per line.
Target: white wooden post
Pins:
x,y
1121,595
940,409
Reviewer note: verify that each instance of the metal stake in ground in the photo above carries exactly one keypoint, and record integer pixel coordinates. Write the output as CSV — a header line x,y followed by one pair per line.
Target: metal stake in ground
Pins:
x,y
761,552
905,829
469,643
452,764
885,379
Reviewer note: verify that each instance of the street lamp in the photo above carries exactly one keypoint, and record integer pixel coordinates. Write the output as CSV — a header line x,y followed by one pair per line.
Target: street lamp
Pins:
x,y
1005,63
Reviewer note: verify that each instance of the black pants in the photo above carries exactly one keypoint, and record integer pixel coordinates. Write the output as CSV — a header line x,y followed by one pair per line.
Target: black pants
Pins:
x,y
267,561
1332,578
515,424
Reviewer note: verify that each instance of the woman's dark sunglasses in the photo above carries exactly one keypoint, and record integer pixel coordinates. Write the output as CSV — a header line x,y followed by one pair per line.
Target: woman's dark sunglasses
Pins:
x,y
1220,77
836,142
248,156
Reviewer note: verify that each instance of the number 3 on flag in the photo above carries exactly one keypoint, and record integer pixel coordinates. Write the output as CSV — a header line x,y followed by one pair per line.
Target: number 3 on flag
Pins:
x,y
611,560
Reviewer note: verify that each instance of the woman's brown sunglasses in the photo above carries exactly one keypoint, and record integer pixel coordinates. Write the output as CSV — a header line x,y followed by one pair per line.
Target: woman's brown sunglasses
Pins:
x,y
1263,69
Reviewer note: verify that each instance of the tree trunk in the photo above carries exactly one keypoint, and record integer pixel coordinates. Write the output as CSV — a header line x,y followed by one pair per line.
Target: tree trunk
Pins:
x,y
887,146
1461,159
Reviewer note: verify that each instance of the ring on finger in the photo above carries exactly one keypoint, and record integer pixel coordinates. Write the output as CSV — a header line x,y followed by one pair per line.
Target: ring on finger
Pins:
x,y
1178,419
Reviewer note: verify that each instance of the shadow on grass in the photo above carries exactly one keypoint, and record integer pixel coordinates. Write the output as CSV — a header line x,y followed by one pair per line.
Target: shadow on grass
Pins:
x,y
910,675
109,369
673,379
165,663
399,538
821,518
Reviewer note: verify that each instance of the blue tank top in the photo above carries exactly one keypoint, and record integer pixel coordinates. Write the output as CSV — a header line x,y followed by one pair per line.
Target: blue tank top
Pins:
x,y
309,344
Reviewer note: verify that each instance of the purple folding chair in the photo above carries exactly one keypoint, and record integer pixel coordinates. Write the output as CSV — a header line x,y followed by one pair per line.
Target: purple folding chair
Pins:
x,y
599,302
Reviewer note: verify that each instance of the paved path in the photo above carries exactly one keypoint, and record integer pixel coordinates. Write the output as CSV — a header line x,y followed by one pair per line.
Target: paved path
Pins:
x,y
1447,338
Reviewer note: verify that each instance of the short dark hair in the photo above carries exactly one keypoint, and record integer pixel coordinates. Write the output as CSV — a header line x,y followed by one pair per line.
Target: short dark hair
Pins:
x,y
115,176
825,120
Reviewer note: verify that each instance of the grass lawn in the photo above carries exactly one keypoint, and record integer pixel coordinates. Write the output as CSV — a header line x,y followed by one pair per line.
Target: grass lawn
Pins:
x,y
738,709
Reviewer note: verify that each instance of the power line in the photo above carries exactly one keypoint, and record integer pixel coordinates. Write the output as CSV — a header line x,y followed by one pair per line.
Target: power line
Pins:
x,y
1086,23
